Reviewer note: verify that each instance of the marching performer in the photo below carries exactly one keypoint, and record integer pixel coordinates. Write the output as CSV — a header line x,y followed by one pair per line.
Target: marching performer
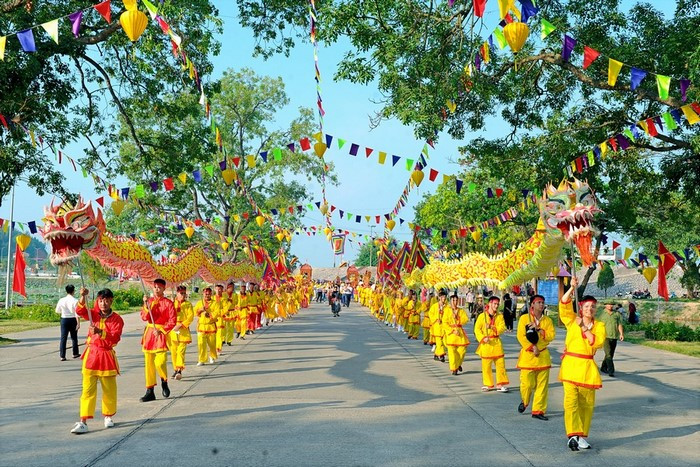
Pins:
x,y
99,359
579,373
159,313
231,314
206,329
535,332
436,313
487,329
243,302
412,314
220,308
453,321
180,336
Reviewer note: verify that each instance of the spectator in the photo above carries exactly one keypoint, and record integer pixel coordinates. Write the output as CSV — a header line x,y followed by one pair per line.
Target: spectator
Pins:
x,y
508,314
70,323
632,317
613,332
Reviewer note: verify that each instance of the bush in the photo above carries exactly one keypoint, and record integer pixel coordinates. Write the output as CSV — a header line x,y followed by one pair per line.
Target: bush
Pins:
x,y
126,298
670,331
44,313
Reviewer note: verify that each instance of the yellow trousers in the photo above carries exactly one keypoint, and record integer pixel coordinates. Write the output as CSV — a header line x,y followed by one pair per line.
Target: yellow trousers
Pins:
x,y
177,353
219,337
536,381
228,330
426,334
578,409
155,361
414,330
439,346
206,342
242,326
456,354
88,398
487,373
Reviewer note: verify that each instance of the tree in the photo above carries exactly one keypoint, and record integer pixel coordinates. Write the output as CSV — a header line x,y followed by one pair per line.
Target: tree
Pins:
x,y
69,92
244,105
606,279
367,256
421,54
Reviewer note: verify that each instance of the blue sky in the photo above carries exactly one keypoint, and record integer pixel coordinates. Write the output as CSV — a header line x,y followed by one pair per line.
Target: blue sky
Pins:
x,y
366,187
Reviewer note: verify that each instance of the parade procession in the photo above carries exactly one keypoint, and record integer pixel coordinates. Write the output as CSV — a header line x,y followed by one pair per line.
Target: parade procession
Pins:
x,y
319,233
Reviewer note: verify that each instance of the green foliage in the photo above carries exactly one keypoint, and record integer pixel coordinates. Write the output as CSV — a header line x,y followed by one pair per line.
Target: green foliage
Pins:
x,y
44,313
70,91
244,105
669,331
92,270
367,256
606,278
126,298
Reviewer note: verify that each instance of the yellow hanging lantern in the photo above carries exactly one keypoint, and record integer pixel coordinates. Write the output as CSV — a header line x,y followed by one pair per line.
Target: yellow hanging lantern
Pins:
x,y
133,22
649,274
288,236
320,149
118,206
280,236
476,235
189,231
260,220
390,224
327,231
224,245
324,208
23,241
130,4
417,177
229,175
516,34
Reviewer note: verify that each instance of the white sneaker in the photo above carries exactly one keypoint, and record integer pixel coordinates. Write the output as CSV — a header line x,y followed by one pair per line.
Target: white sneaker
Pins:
x,y
211,360
109,423
583,443
80,428
200,363
485,388
503,389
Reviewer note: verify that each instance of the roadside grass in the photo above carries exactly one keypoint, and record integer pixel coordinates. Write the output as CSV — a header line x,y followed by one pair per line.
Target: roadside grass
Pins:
x,y
10,325
685,348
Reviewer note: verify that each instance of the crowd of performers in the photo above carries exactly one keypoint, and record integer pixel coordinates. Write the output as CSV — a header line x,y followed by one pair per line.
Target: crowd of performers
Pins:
x,y
221,316
443,321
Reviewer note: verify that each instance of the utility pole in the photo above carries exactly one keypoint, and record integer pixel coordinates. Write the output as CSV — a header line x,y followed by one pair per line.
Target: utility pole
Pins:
x,y
8,292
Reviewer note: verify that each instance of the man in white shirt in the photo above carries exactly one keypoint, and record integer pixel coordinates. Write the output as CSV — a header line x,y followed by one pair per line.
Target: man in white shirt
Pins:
x,y
70,323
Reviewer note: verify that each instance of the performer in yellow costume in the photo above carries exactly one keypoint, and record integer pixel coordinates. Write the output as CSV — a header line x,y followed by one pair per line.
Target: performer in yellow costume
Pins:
x,y
231,314
180,336
220,307
535,332
398,311
425,324
436,313
243,302
453,320
206,329
487,329
579,373
412,313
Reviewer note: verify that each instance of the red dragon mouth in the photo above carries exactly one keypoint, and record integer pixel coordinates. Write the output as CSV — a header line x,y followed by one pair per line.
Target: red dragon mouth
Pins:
x,y
66,246
578,228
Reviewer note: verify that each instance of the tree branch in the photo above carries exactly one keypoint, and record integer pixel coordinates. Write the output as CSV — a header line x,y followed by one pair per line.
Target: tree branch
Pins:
x,y
100,36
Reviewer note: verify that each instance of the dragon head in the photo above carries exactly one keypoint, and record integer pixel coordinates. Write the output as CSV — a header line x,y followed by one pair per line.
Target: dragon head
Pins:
x,y
71,228
570,208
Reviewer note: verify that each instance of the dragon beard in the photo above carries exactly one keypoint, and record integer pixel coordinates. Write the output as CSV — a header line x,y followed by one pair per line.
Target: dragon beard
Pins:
x,y
583,242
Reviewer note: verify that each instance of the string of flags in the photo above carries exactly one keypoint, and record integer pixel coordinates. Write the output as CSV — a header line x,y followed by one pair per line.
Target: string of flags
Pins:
x,y
651,126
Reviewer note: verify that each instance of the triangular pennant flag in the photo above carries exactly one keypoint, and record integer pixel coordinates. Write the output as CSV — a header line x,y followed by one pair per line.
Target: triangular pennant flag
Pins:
x,y
305,144
668,120
76,18
500,38
104,9
101,201
395,159
183,178
663,83
568,47
51,28
26,40
409,164
341,142
547,28
382,157
690,114
589,56
250,160
353,149
277,154
152,10
636,77
368,151
613,70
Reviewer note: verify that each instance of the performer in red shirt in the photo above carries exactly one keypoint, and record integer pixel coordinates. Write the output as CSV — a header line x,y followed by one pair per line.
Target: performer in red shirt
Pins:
x,y
160,316
99,359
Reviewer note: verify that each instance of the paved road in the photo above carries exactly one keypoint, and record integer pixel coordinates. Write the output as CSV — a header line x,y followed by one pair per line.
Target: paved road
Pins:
x,y
325,391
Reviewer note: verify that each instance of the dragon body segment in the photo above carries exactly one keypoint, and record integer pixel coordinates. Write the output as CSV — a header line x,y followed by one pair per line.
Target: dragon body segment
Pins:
x,y
70,229
566,214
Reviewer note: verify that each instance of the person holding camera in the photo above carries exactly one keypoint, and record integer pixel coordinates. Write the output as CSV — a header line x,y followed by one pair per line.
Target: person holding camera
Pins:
x,y
535,332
